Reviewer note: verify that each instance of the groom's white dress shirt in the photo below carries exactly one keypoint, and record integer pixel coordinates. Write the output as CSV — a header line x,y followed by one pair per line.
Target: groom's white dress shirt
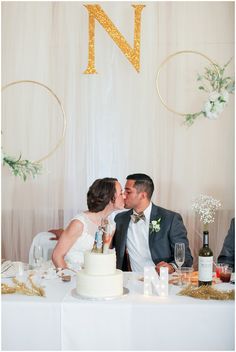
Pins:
x,y
137,242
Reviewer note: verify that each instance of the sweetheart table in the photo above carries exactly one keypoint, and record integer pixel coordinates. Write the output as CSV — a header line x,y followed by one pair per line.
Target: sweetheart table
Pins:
x,y
64,321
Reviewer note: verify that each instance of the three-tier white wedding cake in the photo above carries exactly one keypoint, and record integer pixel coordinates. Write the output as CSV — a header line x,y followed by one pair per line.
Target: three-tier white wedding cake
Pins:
x,y
100,278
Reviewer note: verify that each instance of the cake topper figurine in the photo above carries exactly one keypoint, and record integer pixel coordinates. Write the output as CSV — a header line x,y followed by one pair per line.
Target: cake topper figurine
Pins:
x,y
97,247
108,232
103,237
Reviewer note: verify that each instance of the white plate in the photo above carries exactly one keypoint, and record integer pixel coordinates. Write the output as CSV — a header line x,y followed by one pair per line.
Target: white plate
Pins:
x,y
10,273
68,271
226,286
76,295
8,276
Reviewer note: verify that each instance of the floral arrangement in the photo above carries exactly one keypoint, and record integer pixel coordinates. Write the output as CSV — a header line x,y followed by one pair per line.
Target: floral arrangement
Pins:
x,y
21,168
206,206
155,225
218,86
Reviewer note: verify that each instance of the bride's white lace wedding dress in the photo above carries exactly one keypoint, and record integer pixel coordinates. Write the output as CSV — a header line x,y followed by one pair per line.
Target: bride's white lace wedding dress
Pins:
x,y
75,256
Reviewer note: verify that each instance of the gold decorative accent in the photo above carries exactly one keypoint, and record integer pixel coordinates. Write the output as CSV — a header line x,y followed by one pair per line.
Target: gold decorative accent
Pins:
x,y
207,292
132,54
62,111
165,62
22,288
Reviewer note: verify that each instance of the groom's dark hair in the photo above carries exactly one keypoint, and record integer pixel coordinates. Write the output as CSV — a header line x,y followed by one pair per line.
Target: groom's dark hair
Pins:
x,y
100,193
143,183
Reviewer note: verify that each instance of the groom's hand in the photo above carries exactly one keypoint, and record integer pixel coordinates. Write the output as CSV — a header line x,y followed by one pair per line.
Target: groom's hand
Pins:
x,y
170,267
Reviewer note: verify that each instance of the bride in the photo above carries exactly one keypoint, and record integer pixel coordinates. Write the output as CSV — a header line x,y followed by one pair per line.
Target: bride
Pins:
x,y
104,196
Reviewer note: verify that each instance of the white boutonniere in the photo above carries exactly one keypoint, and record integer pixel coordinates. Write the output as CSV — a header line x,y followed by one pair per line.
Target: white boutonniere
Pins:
x,y
155,225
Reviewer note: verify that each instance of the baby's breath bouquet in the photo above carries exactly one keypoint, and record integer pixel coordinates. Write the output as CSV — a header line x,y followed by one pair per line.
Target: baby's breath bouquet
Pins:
x,y
206,207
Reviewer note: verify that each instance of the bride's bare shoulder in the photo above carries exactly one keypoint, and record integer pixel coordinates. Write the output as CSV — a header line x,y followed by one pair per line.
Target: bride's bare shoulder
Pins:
x,y
75,225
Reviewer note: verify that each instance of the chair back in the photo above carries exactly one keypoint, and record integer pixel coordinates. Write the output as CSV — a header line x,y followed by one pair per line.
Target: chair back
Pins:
x,y
42,239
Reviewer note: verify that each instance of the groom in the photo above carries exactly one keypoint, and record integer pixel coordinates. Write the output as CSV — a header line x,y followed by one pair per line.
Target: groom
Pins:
x,y
146,234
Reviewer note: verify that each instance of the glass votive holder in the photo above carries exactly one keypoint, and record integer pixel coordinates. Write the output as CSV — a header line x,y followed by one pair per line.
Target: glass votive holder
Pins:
x,y
19,268
26,267
225,273
186,275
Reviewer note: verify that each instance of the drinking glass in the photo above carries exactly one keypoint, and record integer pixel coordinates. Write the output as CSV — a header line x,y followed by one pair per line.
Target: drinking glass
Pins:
x,y
38,255
219,268
19,267
186,275
179,259
225,274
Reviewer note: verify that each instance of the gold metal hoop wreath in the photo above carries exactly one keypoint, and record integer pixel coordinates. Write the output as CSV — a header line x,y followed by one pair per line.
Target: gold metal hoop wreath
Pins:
x,y
165,62
61,108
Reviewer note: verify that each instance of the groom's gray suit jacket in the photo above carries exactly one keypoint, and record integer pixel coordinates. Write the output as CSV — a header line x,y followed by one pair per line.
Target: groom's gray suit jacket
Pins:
x,y
161,243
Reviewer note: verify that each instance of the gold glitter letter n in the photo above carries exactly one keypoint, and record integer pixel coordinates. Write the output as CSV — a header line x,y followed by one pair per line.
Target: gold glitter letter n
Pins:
x,y
132,54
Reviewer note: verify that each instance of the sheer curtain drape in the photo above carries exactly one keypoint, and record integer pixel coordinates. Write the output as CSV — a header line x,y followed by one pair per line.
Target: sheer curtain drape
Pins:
x,y
116,124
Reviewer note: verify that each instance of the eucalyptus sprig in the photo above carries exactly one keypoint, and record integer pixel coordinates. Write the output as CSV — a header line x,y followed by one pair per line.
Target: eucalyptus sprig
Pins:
x,y
218,86
215,76
21,168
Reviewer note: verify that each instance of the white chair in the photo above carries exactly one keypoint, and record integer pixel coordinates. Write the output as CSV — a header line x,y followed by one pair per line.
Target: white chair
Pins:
x,y
42,239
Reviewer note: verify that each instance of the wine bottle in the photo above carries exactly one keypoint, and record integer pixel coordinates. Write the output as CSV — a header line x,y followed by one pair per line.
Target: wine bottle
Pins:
x,y
205,262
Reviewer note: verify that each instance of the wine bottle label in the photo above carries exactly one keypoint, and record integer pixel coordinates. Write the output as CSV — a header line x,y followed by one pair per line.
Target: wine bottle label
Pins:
x,y
205,265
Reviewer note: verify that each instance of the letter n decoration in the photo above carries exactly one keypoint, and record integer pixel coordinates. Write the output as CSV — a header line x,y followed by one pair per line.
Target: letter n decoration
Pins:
x,y
132,54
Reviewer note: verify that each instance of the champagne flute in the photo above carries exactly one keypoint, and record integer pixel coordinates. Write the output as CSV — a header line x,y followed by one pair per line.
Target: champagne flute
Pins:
x,y
179,258
38,255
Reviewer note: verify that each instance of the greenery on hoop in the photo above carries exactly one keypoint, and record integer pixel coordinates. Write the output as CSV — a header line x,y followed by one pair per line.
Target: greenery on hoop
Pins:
x,y
214,82
22,168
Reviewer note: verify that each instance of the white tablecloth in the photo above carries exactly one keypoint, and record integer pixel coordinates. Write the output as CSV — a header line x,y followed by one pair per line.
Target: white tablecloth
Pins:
x,y
134,322
31,322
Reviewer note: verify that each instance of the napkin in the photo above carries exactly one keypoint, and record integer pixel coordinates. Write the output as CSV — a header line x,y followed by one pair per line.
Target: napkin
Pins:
x,y
8,269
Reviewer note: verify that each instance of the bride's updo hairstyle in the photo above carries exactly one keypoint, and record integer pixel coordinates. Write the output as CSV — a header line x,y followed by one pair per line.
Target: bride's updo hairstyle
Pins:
x,y
100,193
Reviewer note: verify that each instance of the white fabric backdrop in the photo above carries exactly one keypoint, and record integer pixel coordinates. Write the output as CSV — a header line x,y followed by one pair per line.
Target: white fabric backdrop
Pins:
x,y
116,122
